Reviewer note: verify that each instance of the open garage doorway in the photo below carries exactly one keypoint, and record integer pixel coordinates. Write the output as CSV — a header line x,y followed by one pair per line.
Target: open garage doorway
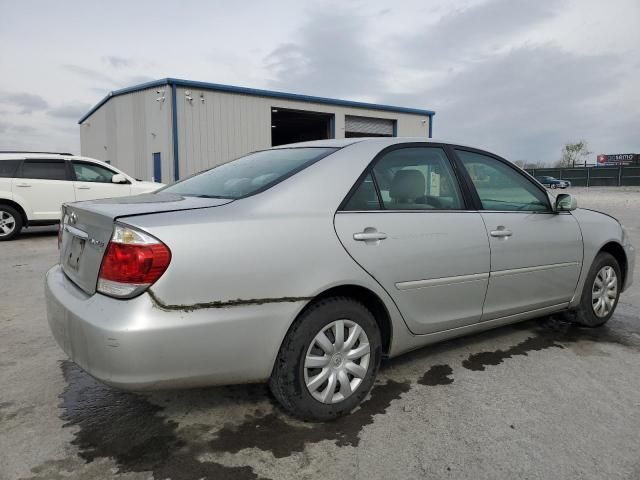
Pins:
x,y
291,126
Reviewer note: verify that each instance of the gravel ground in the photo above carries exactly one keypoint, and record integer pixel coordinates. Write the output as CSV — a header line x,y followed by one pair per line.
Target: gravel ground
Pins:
x,y
538,400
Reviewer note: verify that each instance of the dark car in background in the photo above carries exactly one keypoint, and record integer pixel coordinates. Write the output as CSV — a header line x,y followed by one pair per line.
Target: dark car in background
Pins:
x,y
553,182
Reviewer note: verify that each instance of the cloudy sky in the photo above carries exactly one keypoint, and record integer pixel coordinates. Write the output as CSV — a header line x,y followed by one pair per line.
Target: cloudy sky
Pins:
x,y
520,78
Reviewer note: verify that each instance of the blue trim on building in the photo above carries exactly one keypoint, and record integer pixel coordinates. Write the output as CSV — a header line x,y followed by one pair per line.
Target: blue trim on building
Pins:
x,y
174,128
176,82
431,125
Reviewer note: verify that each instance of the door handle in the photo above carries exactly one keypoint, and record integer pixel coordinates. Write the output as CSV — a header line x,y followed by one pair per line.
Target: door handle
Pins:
x,y
83,187
22,185
501,232
369,235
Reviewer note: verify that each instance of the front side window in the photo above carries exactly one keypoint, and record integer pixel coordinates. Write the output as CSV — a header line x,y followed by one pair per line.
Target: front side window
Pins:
x,y
412,178
44,169
501,187
90,172
250,174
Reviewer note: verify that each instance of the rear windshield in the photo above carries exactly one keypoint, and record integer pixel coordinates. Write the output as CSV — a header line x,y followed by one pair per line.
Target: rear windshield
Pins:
x,y
250,174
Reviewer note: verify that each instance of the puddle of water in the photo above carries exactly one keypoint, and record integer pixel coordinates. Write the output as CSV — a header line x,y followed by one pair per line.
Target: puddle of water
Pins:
x,y
478,361
282,437
127,428
437,375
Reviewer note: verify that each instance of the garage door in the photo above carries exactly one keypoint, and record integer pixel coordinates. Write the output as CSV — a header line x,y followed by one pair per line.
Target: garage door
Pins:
x,y
368,127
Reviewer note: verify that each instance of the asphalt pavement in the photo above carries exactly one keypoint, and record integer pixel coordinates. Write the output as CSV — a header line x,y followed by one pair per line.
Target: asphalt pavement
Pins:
x,y
539,400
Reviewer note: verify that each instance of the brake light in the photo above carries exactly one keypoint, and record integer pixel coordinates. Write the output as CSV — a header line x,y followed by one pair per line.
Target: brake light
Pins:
x,y
132,262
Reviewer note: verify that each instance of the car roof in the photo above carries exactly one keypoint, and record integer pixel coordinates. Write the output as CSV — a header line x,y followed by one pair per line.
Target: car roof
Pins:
x,y
382,141
44,155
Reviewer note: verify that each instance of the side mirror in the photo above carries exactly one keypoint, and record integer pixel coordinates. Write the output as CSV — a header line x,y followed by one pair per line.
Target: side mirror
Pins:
x,y
566,202
119,178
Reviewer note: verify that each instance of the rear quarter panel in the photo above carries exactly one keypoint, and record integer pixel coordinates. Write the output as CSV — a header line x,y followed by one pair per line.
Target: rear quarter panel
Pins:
x,y
279,245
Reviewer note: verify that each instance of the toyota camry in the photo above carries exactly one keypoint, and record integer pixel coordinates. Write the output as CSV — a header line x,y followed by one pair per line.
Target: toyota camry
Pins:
x,y
305,265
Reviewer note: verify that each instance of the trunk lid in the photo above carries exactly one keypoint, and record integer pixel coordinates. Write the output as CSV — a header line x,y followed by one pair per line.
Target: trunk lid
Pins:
x,y
86,228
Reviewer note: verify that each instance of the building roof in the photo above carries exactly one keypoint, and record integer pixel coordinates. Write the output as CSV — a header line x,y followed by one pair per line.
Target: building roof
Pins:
x,y
255,92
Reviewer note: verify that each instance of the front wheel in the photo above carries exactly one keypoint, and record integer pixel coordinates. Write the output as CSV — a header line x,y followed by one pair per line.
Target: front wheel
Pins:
x,y
328,361
553,185
601,292
10,223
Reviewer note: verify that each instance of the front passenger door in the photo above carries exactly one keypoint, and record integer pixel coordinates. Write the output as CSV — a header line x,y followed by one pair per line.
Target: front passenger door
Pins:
x,y
93,181
536,254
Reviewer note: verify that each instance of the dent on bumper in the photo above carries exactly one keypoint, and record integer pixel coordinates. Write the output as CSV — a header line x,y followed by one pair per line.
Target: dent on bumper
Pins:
x,y
135,345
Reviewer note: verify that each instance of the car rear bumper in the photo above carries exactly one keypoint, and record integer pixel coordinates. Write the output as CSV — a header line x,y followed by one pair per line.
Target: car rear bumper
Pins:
x,y
137,345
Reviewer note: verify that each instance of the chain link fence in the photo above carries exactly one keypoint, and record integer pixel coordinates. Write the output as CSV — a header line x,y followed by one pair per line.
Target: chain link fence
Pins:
x,y
593,176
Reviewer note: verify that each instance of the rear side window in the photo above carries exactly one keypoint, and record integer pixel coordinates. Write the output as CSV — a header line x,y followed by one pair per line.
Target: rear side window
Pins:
x,y
44,169
247,175
364,197
8,168
412,178
501,187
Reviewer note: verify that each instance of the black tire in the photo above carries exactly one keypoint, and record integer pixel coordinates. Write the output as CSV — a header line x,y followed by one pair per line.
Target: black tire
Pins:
x,y
287,381
16,222
553,185
585,314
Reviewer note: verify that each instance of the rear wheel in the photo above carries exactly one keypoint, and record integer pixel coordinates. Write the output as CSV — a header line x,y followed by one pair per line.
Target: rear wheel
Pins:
x,y
601,292
10,223
328,361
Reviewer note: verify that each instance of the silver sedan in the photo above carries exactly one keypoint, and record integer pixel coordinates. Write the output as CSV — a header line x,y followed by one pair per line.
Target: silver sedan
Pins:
x,y
307,264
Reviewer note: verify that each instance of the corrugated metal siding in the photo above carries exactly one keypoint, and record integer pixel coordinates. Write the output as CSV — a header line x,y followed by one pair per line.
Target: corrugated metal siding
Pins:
x,y
128,129
225,125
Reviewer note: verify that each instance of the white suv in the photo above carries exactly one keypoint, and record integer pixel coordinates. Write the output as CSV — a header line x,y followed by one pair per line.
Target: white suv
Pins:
x,y
33,187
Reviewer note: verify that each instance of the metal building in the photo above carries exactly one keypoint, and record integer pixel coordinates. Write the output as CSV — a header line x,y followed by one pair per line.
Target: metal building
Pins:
x,y
170,128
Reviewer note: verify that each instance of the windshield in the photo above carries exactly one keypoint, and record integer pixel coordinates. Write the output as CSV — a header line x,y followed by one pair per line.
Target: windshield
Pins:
x,y
247,175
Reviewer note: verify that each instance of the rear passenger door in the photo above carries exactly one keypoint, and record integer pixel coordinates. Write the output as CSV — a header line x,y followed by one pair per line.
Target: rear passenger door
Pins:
x,y
536,254
406,223
43,185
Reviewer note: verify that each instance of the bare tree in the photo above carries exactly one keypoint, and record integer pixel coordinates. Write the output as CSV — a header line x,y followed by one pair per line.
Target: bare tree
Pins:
x,y
572,153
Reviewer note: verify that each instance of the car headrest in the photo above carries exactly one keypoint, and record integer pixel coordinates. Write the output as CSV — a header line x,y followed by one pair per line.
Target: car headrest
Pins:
x,y
407,184
237,186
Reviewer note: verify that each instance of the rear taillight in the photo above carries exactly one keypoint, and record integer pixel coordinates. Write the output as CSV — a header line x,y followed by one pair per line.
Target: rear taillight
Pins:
x,y
132,262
